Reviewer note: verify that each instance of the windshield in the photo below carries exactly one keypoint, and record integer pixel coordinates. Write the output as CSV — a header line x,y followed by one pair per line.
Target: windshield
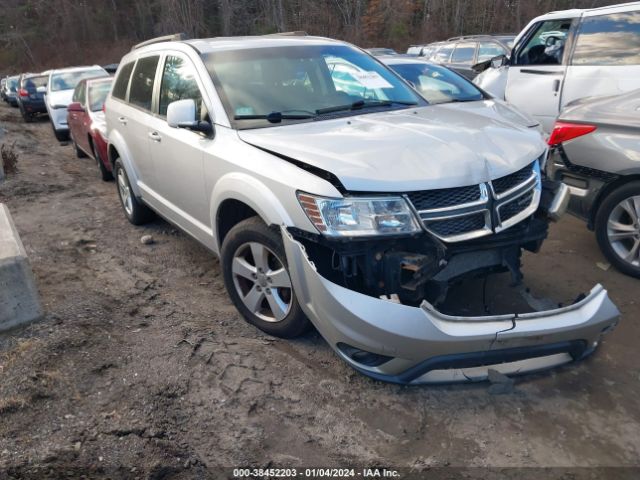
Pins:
x,y
69,80
98,94
438,84
303,82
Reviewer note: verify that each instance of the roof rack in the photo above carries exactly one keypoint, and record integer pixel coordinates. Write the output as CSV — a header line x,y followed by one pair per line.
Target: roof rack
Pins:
x,y
480,35
297,33
176,37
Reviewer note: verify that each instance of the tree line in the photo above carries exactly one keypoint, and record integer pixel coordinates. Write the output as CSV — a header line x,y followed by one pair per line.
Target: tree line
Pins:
x,y
40,34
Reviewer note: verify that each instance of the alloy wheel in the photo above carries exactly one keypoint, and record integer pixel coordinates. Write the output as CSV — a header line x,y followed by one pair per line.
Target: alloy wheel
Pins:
x,y
623,230
125,192
262,282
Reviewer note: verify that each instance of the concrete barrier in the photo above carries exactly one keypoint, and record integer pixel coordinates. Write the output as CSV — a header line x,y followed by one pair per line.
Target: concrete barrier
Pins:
x,y
19,299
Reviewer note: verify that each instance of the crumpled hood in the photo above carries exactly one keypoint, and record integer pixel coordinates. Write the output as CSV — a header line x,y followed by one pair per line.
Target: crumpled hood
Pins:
x,y
60,97
438,146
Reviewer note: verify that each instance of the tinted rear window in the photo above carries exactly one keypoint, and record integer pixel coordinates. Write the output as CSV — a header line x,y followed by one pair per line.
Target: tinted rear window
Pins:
x,y
612,39
122,82
141,91
35,82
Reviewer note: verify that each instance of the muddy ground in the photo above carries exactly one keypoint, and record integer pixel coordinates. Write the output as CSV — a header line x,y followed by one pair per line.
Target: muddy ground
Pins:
x,y
143,368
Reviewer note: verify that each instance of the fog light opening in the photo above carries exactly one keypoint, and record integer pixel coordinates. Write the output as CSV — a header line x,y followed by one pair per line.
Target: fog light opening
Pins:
x,y
363,357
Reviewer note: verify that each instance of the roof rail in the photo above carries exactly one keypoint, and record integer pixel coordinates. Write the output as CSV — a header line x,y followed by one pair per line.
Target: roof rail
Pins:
x,y
297,33
176,37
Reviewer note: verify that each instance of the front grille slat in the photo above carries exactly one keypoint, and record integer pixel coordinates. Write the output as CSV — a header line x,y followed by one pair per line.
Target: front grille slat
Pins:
x,y
503,184
444,197
457,226
514,207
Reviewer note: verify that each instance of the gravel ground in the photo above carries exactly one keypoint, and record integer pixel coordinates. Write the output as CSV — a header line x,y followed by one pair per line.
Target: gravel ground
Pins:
x,y
142,368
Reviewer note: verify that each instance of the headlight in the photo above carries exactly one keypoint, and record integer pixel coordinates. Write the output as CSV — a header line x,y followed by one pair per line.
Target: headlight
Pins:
x,y
357,216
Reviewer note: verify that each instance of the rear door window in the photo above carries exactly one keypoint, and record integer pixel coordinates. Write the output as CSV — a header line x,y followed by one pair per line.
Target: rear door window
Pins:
x,y
464,53
612,39
122,82
142,81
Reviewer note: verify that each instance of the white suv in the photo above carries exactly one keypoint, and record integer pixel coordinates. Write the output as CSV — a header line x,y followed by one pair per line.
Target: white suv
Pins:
x,y
346,200
60,87
567,55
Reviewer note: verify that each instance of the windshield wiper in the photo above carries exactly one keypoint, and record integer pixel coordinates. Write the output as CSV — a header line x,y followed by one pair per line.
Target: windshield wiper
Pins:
x,y
277,117
359,104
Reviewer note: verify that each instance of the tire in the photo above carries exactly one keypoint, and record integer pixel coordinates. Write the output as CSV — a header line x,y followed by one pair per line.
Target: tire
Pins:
x,y
79,152
135,211
61,135
105,174
25,116
262,289
627,243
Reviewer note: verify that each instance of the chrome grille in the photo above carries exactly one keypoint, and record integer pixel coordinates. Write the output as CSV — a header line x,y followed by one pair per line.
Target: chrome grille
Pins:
x,y
463,213
444,197
503,184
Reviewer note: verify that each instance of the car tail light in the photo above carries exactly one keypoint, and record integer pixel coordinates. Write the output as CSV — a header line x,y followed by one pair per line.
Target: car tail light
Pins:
x,y
23,93
563,132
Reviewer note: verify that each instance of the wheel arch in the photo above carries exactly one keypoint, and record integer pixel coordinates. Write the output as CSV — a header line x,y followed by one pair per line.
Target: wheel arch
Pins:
x,y
117,148
238,196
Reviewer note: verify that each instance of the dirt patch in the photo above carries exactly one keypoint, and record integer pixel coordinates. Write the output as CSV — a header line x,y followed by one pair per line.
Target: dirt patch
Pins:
x,y
143,368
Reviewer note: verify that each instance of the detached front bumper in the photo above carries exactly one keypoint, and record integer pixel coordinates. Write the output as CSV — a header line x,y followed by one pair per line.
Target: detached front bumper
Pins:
x,y
416,345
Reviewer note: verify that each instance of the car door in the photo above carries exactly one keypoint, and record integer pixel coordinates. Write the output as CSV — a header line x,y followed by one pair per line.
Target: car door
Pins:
x,y
606,56
537,70
178,153
83,121
134,119
73,117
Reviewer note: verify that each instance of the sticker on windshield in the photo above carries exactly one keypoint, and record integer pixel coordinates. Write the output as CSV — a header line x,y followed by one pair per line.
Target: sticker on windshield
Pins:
x,y
244,111
371,80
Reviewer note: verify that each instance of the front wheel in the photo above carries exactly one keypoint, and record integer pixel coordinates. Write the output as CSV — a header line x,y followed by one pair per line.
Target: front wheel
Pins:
x,y
135,211
61,135
618,228
257,278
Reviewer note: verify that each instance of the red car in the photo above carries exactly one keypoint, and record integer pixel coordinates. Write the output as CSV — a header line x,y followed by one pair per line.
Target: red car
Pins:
x,y
87,126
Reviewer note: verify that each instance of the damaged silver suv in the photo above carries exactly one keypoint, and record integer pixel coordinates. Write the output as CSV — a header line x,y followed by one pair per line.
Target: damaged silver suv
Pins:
x,y
335,195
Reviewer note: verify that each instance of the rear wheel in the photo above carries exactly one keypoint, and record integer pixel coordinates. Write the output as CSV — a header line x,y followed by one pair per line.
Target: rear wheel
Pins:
x,y
257,278
618,228
27,117
135,211
105,174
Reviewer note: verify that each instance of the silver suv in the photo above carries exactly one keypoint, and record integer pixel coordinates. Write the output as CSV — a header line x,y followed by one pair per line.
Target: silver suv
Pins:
x,y
345,200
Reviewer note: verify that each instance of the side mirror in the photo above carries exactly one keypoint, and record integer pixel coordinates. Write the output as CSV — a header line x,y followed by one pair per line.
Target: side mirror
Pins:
x,y
75,107
481,66
182,114
499,61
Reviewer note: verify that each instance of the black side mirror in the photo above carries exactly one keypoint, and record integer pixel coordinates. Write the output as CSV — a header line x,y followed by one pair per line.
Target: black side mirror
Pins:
x,y
481,66
198,126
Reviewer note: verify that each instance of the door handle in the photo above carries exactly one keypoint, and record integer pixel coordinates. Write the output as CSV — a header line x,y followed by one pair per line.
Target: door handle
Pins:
x,y
556,86
122,120
155,136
